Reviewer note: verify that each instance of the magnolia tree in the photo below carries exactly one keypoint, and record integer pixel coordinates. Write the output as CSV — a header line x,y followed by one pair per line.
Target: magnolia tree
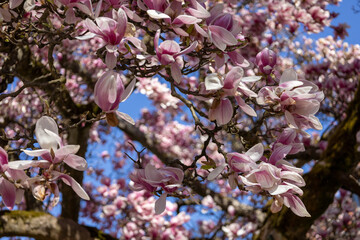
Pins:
x,y
228,142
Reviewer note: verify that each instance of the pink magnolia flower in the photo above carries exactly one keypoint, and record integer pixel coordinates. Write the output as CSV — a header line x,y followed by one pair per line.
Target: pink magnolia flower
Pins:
x,y
290,136
138,181
245,162
169,53
239,163
232,85
109,92
222,28
299,100
221,111
46,132
264,177
111,30
266,60
150,178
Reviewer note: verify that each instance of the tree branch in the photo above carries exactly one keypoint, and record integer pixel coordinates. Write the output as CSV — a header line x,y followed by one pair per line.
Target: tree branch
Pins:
x,y
43,226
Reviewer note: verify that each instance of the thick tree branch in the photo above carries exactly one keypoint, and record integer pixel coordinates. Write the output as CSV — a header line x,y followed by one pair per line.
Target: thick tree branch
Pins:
x,y
43,226
338,160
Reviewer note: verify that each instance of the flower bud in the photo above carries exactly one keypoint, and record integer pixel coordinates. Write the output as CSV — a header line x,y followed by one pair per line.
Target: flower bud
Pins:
x,y
108,91
266,60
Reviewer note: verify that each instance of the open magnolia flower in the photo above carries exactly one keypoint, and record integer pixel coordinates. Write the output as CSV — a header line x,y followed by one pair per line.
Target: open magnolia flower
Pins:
x,y
53,152
169,53
274,175
46,132
298,99
232,84
169,179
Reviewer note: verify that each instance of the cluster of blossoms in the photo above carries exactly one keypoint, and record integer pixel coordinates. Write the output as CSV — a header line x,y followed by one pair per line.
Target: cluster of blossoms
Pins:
x,y
274,174
299,100
54,154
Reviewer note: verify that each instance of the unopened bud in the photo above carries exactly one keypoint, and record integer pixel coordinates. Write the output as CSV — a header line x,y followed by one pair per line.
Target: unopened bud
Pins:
x,y
266,60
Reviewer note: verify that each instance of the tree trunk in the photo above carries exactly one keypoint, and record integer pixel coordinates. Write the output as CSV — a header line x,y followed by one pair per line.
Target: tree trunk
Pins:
x,y
70,201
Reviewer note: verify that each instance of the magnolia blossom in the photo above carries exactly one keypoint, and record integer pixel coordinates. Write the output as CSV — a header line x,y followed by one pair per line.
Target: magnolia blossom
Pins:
x,y
111,30
290,137
233,84
222,28
109,92
266,60
53,153
167,178
46,132
274,175
169,53
280,179
298,99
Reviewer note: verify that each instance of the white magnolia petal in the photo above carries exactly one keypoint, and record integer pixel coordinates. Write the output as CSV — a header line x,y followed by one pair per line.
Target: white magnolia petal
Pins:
x,y
213,82
157,15
251,79
216,172
47,133
128,90
86,36
126,117
25,164
256,152
36,153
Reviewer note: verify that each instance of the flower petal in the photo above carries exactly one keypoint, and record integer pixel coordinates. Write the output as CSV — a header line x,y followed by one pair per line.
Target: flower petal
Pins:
x,y
160,204
8,193
76,162
216,172
213,82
